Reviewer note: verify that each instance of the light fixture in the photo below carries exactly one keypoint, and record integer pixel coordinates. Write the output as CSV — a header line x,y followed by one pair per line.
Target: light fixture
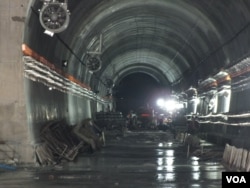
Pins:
x,y
160,102
49,33
169,105
54,16
64,63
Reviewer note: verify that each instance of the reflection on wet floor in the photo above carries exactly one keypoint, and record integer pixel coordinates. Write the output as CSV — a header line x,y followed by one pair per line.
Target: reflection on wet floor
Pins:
x,y
138,159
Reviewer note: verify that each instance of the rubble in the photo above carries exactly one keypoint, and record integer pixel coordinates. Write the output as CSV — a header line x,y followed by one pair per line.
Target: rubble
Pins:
x,y
62,141
8,155
90,133
200,148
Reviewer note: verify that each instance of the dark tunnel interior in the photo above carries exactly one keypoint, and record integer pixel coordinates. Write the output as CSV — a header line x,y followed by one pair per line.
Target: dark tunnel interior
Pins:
x,y
137,90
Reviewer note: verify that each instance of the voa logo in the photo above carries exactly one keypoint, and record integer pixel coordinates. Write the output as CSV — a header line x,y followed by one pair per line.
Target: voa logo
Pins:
x,y
236,179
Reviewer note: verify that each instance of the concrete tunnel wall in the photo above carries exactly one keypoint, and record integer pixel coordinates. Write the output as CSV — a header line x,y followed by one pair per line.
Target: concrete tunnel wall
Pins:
x,y
13,117
44,105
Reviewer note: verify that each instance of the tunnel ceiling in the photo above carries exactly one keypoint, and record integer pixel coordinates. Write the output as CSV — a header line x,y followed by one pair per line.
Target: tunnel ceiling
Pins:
x,y
176,42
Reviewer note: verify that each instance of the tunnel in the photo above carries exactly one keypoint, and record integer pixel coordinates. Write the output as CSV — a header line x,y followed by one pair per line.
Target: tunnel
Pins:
x,y
69,60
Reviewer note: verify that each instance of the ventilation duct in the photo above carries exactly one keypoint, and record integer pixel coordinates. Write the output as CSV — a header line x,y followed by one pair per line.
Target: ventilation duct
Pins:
x,y
94,63
54,16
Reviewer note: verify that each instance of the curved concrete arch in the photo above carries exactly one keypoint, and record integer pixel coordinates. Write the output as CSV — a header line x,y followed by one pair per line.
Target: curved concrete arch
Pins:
x,y
156,45
146,58
153,72
98,25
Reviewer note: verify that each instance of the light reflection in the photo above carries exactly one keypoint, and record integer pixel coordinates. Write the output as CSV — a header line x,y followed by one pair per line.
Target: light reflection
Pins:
x,y
166,177
196,185
169,153
169,168
169,161
195,163
160,177
196,168
165,164
212,168
159,168
195,158
211,163
160,161
165,144
213,175
169,176
160,152
165,168
196,175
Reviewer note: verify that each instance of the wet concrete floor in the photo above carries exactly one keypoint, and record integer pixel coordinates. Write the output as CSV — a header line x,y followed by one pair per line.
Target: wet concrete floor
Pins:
x,y
151,159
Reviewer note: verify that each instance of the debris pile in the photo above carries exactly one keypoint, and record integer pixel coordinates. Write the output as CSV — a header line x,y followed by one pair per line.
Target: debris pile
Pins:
x,y
8,155
61,141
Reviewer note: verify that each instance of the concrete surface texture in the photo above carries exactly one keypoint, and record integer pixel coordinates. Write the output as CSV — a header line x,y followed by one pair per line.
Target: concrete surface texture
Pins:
x,y
13,118
137,159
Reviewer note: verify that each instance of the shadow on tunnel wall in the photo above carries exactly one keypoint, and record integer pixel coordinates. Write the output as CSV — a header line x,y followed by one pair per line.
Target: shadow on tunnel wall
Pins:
x,y
45,105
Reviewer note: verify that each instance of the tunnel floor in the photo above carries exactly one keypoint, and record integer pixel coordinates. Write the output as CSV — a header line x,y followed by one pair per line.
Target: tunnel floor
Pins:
x,y
141,159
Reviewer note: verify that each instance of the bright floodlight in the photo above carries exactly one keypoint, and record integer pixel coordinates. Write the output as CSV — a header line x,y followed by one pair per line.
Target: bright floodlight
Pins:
x,y
170,105
160,102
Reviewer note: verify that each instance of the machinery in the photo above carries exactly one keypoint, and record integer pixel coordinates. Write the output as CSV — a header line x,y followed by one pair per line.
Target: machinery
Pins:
x,y
54,15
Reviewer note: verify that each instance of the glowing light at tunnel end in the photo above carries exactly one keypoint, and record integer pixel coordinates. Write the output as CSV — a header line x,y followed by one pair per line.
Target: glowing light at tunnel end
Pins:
x,y
169,105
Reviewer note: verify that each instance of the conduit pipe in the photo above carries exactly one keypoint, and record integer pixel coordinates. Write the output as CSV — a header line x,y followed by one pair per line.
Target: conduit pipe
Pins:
x,y
54,78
